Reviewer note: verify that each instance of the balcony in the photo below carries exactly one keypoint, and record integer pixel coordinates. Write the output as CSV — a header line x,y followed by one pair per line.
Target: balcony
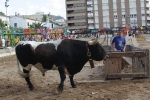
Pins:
x,y
75,2
148,24
148,12
115,20
90,9
77,27
147,5
76,14
148,18
89,2
91,27
90,21
75,8
105,7
75,21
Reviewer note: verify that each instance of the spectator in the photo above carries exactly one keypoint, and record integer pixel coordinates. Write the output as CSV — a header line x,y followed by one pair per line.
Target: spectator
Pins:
x,y
111,38
130,37
16,40
119,42
3,43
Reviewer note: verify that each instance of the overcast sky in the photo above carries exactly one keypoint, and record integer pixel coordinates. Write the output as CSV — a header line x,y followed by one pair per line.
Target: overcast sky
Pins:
x,y
27,7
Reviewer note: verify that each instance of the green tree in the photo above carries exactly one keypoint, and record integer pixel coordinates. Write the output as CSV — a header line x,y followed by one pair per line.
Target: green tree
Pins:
x,y
44,18
35,25
2,23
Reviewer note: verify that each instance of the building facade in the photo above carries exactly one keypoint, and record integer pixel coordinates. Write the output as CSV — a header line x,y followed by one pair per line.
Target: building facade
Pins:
x,y
76,12
97,14
21,22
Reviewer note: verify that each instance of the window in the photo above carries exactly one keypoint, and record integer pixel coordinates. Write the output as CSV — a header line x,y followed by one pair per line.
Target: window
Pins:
x,y
123,16
27,23
105,4
131,16
90,14
134,15
115,16
15,24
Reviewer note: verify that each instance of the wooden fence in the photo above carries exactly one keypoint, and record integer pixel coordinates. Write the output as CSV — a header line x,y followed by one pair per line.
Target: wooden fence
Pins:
x,y
137,58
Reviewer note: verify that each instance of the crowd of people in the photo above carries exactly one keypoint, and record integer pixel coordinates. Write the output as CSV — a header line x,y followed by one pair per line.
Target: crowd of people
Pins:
x,y
127,31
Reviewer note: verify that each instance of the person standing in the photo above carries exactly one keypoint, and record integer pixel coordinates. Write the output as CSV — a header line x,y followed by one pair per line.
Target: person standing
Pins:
x,y
16,40
127,30
3,43
119,42
111,38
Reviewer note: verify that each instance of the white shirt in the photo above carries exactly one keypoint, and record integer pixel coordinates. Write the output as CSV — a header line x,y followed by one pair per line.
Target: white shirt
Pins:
x,y
111,39
3,42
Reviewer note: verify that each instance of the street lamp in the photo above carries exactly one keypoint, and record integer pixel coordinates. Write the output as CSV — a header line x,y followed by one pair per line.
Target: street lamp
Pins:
x,y
6,5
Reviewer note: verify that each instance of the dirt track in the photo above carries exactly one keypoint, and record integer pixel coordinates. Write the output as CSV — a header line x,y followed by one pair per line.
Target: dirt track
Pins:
x,y
13,87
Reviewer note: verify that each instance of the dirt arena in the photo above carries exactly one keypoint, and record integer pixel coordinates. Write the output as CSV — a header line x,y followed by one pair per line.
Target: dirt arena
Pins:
x,y
13,87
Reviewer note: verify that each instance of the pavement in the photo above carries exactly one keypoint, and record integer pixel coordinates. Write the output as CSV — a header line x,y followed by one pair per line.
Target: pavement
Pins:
x,y
2,51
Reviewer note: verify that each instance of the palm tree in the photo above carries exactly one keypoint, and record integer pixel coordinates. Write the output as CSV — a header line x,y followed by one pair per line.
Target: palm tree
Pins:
x,y
36,26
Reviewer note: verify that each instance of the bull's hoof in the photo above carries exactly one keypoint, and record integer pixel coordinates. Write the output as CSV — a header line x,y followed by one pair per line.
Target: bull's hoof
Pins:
x,y
74,86
60,89
31,88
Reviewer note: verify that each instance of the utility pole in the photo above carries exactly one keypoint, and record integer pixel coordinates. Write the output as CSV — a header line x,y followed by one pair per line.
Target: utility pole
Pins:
x,y
6,11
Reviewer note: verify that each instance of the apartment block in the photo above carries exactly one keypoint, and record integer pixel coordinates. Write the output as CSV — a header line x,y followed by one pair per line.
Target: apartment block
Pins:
x,y
97,14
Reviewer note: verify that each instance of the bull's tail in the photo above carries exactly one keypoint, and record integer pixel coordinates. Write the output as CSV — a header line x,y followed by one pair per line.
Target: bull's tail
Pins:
x,y
20,72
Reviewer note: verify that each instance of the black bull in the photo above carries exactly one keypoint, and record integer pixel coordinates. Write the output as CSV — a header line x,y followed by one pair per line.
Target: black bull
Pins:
x,y
71,55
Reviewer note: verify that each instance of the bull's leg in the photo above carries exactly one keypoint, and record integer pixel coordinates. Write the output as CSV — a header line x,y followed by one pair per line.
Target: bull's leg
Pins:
x,y
72,82
31,87
62,77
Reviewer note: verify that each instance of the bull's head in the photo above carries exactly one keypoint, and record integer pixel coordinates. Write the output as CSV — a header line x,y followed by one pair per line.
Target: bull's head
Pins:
x,y
97,51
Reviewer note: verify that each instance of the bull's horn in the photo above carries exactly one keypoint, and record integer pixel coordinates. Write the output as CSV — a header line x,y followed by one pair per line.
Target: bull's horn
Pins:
x,y
103,40
93,41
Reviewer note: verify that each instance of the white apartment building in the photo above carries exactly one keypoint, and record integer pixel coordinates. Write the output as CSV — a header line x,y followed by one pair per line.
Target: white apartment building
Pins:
x,y
97,14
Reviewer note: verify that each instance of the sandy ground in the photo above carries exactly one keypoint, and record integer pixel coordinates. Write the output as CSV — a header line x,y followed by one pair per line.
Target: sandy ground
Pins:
x,y
13,87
